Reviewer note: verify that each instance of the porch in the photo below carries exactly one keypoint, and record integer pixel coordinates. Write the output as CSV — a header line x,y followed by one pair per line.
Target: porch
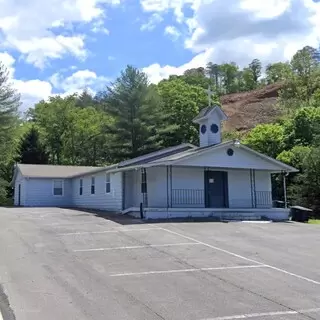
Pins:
x,y
168,192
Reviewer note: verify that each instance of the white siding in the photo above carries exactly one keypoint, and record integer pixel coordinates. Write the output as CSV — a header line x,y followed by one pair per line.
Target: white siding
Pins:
x,y
241,159
239,188
263,181
19,180
100,200
190,178
210,138
39,193
157,186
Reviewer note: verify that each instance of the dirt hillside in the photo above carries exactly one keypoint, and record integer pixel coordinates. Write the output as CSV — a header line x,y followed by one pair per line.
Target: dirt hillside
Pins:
x,y
247,109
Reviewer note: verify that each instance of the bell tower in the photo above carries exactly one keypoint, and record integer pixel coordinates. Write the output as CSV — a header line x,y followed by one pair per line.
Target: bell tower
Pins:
x,y
209,120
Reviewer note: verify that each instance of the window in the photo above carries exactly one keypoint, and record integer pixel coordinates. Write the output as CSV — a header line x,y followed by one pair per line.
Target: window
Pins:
x,y
93,183
58,187
108,183
81,187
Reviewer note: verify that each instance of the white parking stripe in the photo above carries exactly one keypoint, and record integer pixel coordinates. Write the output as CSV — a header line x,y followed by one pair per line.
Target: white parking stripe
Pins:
x,y
139,247
183,270
106,231
265,314
242,257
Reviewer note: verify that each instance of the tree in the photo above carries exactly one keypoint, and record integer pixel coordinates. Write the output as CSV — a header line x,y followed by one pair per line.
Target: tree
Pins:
x,y
267,138
30,150
277,72
255,67
9,103
180,105
134,106
306,190
303,127
214,73
229,73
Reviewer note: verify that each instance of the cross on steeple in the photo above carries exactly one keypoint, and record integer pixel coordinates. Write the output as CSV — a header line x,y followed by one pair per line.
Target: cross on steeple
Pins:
x,y
209,94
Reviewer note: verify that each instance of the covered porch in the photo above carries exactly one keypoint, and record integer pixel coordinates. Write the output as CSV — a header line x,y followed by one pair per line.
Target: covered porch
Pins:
x,y
188,191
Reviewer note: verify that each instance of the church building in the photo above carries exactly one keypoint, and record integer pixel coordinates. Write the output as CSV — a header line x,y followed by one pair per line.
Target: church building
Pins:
x,y
215,179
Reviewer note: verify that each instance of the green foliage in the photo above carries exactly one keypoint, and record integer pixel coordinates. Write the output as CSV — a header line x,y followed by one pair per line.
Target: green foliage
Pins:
x,y
181,103
307,186
303,128
134,106
266,138
30,150
9,103
277,72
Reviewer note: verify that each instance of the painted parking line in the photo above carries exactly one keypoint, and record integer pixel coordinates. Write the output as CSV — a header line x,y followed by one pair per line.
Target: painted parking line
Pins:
x,y
139,247
266,314
106,231
242,257
183,270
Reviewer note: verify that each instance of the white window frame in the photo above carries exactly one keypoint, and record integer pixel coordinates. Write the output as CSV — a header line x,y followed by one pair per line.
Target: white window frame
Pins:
x,y
81,187
108,182
93,184
62,183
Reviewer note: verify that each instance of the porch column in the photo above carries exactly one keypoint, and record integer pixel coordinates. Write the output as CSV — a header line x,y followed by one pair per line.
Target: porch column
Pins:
x,y
284,174
253,188
144,189
170,183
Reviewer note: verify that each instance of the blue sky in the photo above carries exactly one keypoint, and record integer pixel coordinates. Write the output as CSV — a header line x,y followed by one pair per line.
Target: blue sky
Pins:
x,y
69,45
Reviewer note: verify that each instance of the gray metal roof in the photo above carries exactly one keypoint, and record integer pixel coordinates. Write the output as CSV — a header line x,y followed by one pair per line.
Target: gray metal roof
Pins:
x,y
203,112
53,171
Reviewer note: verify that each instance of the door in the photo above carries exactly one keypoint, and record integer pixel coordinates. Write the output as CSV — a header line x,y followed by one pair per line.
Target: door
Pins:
x,y
216,189
19,195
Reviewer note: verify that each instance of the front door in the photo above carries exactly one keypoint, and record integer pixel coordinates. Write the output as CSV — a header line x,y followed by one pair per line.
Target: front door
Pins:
x,y
216,189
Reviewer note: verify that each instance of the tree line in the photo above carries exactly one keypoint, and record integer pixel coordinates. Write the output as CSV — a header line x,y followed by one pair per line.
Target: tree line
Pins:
x,y
131,117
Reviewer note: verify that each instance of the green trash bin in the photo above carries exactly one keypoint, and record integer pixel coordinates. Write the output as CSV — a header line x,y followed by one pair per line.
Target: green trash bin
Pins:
x,y
300,214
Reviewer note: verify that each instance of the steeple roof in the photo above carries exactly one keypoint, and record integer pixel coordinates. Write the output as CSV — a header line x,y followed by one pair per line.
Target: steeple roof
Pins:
x,y
205,112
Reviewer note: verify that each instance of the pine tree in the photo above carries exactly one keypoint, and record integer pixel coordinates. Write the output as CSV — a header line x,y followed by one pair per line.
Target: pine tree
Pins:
x,y
30,150
134,106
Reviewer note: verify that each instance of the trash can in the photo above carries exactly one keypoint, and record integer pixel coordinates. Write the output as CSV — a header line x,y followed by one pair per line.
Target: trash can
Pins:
x,y
300,214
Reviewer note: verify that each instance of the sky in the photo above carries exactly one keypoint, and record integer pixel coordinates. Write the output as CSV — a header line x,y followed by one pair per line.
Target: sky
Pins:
x,y
66,46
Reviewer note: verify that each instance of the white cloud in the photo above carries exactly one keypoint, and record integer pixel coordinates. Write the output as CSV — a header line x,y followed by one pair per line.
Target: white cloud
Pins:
x,y
154,19
27,26
173,32
156,73
78,81
98,27
241,30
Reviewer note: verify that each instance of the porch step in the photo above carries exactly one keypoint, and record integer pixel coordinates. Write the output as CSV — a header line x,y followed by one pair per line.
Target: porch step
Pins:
x,y
240,218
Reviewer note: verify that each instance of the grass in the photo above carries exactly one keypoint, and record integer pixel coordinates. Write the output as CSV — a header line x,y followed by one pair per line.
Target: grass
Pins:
x,y
314,221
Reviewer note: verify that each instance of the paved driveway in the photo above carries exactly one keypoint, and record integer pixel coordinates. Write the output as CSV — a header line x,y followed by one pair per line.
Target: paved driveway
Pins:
x,y
70,264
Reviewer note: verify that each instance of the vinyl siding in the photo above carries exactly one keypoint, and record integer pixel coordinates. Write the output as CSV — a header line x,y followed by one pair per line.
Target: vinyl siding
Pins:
x,y
188,178
241,159
22,181
39,193
100,200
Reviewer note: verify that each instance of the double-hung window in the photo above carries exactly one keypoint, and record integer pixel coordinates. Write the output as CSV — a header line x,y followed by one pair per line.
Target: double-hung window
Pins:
x,y
58,187
93,185
108,183
81,187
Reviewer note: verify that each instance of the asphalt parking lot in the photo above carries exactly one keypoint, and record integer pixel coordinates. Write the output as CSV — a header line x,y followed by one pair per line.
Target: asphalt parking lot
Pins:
x,y
70,264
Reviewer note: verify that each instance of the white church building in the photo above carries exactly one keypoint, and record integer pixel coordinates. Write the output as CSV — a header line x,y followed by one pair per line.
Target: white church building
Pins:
x,y
223,180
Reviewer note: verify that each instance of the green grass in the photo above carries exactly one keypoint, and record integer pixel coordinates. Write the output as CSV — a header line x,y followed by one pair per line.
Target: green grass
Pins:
x,y
314,221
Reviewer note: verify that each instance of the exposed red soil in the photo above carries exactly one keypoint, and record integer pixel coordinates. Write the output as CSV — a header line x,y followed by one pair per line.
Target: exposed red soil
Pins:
x,y
248,109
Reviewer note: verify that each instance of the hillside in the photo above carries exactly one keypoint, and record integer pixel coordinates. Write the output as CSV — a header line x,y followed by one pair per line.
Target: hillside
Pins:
x,y
248,109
